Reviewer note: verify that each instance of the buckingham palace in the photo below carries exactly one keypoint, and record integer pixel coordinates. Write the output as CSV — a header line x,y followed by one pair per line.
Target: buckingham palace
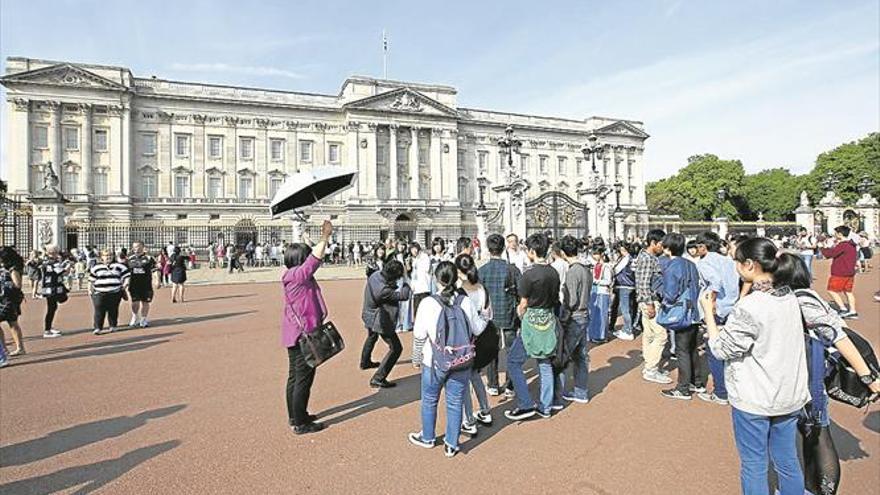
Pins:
x,y
151,157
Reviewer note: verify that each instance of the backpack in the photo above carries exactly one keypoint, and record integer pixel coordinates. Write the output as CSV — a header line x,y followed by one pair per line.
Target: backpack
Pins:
x,y
684,312
453,350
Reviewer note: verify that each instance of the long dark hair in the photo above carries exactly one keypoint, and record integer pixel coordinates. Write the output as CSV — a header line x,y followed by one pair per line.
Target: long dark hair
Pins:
x,y
296,254
466,265
10,258
761,251
446,274
792,271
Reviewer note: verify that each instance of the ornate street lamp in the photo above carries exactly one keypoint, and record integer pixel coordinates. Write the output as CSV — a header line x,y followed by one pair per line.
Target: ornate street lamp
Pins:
x,y
618,187
482,183
593,150
510,144
866,184
830,181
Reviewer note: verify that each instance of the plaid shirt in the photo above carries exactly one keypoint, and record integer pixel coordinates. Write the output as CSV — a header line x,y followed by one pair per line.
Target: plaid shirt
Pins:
x,y
647,269
493,276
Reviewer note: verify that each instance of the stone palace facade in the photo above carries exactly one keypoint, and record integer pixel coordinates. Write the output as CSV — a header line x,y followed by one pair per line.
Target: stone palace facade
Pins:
x,y
129,150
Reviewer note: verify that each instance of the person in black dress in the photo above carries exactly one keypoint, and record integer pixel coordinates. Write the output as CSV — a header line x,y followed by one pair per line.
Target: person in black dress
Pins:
x,y
178,275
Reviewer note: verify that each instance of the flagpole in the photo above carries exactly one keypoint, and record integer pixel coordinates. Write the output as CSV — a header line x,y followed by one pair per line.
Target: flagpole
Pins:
x,y
384,55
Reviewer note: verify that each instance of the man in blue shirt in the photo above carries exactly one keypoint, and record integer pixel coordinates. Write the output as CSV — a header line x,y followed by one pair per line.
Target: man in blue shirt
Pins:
x,y
718,276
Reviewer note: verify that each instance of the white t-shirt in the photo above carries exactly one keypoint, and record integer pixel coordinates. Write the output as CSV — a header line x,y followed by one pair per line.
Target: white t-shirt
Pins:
x,y
561,266
425,326
518,258
421,274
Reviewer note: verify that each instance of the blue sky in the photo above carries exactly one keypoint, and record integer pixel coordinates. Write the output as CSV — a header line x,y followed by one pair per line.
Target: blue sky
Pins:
x,y
770,83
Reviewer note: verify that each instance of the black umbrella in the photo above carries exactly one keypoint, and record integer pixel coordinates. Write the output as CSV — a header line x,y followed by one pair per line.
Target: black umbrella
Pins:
x,y
307,188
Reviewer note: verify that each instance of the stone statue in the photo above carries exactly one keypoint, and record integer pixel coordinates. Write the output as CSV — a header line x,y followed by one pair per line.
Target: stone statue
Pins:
x,y
760,216
44,230
50,180
805,200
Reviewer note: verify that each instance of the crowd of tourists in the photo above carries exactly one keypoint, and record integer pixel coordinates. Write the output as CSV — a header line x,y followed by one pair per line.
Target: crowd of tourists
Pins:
x,y
738,314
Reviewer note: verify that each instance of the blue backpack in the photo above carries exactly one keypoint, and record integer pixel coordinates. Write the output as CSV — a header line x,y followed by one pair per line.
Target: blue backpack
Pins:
x,y
454,349
684,313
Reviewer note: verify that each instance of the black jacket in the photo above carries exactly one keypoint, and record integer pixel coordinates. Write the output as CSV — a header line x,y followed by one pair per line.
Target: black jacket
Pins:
x,y
382,303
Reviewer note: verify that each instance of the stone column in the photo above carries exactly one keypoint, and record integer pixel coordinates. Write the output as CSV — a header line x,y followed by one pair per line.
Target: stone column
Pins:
x,y
198,156
481,233
392,159
87,149
722,225
18,146
371,184
414,163
618,225
125,165
55,137
869,210
48,220
436,186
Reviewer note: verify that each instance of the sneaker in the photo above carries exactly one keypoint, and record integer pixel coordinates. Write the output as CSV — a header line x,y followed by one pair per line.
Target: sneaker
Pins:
x,y
449,451
483,418
97,331
134,321
145,323
469,429
674,393
520,414
416,439
624,335
877,296
113,329
696,390
494,392
4,362
51,334
382,384
509,393
713,398
543,414
308,428
572,398
656,377
557,407
852,315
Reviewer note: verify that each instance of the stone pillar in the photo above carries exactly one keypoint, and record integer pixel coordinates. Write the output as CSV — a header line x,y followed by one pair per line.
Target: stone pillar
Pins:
x,y
48,220
414,163
869,210
392,160
87,149
371,162
125,158
55,136
436,184
618,225
722,225
805,217
832,208
761,227
481,232
18,146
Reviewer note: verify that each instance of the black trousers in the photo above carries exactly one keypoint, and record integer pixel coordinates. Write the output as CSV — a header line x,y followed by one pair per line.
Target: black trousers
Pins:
x,y
51,308
367,350
690,366
106,306
395,349
509,335
300,377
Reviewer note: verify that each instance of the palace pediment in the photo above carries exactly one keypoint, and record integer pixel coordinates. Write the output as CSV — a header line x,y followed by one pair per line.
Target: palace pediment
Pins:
x,y
622,128
403,100
65,75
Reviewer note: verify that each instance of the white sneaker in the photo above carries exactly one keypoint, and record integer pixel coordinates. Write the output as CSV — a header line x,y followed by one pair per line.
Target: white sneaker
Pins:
x,y
112,329
145,323
656,377
4,362
134,321
99,331
51,334
623,335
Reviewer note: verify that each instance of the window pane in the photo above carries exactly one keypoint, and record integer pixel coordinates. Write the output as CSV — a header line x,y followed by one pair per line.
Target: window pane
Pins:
x,y
71,181
181,186
71,138
215,147
182,145
100,184
274,184
562,168
276,146
305,149
149,144
215,187
334,153
100,140
149,186
41,137
247,148
245,187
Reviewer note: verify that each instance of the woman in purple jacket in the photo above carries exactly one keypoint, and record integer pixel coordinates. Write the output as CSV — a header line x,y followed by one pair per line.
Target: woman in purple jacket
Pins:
x,y
304,310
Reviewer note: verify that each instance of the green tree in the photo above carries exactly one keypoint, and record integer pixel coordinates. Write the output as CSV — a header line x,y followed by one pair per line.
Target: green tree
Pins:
x,y
692,193
775,192
848,163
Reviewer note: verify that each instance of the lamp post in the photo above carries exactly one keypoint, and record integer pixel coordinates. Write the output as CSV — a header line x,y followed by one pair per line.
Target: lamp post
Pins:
x,y
592,150
510,145
513,191
720,220
865,185
482,183
830,182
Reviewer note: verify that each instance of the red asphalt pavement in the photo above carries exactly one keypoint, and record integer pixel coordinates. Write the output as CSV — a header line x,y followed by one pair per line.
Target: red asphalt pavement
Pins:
x,y
195,404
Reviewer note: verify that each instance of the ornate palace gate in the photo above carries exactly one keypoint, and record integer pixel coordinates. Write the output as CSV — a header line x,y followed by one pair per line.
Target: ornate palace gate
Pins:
x,y
16,224
557,215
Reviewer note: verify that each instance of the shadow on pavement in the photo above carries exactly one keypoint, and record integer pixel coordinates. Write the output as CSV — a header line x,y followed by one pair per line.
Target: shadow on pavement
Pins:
x,y
106,348
216,298
91,476
196,319
849,446
617,367
61,441
408,390
872,422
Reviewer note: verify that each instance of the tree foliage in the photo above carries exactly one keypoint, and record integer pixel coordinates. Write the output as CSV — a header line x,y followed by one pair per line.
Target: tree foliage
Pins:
x,y
692,192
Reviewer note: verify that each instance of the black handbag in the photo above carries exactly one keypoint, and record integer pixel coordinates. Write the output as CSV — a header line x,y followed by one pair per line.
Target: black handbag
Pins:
x,y
843,383
322,344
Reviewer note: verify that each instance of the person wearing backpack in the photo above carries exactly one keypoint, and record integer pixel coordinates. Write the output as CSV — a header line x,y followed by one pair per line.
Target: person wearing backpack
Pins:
x,y
382,299
826,332
443,334
679,313
575,318
52,272
11,297
539,298
765,370
470,284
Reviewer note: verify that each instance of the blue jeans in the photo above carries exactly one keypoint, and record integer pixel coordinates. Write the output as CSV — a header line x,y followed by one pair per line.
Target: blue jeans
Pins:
x,y
756,438
516,358
475,381
455,387
716,367
624,308
580,362
598,316
808,260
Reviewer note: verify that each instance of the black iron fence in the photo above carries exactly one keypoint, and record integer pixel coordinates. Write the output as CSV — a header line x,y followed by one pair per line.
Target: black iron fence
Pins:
x,y
16,223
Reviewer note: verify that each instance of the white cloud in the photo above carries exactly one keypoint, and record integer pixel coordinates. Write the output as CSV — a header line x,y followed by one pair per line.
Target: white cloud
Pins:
x,y
250,70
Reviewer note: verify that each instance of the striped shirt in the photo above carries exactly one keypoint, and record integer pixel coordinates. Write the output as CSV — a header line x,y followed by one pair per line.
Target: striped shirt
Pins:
x,y
108,278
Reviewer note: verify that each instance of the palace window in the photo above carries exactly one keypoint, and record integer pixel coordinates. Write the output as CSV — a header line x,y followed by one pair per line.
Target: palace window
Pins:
x,y
101,140
215,147
246,148
463,190
245,187
71,182
181,145
149,142
181,186
148,186
542,165
483,157
41,137
274,185
71,138
100,183
276,148
305,151
37,177
579,166
215,187
562,166
524,164
333,153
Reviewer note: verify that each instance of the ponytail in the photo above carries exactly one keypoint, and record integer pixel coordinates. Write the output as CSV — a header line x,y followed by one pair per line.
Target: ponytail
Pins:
x,y
791,271
760,250
446,275
466,265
